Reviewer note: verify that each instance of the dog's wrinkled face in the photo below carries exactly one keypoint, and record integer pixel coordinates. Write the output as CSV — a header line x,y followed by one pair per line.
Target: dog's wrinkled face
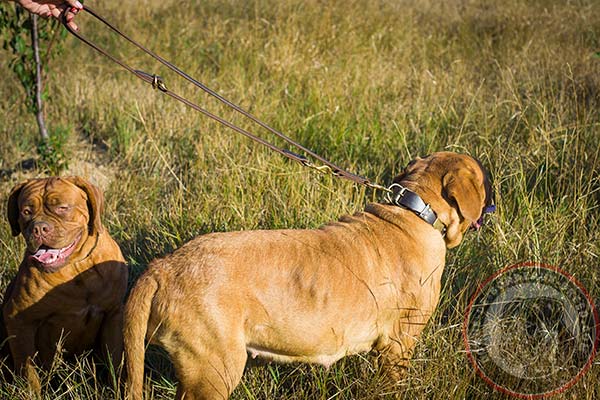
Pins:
x,y
458,180
55,216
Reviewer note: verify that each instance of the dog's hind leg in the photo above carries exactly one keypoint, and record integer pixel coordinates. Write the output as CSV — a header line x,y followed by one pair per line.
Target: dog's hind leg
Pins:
x,y
208,369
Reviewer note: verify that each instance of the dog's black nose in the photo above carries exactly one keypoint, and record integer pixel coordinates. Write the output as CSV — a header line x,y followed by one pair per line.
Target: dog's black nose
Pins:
x,y
41,229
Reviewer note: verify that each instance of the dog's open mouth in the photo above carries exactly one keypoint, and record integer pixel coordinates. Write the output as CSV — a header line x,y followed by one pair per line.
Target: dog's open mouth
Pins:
x,y
475,225
50,258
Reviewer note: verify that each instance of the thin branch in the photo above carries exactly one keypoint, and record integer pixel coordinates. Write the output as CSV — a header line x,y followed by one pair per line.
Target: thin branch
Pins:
x,y
39,112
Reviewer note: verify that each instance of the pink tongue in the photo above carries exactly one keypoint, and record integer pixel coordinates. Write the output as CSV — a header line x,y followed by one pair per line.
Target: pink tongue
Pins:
x,y
47,256
477,224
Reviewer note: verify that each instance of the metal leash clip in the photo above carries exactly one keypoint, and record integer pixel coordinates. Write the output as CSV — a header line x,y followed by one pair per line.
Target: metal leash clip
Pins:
x,y
158,83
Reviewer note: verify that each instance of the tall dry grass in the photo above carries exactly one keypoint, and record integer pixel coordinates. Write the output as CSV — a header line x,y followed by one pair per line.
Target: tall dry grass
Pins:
x,y
367,84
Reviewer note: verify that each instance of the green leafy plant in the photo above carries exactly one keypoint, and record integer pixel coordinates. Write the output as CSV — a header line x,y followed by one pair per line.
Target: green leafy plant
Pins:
x,y
32,42
52,152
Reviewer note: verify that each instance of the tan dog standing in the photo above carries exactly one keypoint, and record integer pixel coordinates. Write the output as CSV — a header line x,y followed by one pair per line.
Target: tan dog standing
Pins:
x,y
71,283
368,281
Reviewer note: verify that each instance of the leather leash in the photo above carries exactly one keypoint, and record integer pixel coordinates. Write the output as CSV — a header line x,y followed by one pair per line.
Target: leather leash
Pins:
x,y
157,83
396,194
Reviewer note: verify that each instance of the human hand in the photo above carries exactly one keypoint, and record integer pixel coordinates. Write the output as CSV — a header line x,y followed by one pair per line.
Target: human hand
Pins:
x,y
53,8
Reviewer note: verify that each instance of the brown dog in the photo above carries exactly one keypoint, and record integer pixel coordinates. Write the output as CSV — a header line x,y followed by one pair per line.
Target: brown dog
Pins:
x,y
368,281
72,281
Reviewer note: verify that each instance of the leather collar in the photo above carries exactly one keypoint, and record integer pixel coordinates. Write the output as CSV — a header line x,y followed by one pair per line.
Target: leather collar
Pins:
x,y
403,197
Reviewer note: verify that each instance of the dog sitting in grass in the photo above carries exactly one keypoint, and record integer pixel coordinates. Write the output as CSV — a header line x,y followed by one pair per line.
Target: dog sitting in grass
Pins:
x,y
368,281
69,290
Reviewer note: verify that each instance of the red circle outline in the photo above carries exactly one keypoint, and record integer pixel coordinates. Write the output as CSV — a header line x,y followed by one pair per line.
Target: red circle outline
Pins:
x,y
567,385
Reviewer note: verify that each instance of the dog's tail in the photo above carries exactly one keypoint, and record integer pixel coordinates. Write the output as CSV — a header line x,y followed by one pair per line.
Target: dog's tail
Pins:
x,y
137,313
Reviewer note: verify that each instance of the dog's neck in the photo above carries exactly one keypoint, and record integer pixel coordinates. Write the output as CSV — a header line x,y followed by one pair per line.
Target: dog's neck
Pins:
x,y
393,214
402,196
432,196
432,193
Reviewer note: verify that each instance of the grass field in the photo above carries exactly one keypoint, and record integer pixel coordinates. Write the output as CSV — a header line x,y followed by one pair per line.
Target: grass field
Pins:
x,y
367,84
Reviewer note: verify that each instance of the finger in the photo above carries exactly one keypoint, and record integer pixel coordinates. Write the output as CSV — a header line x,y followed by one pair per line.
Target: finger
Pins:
x,y
70,17
75,4
55,12
44,11
70,13
73,26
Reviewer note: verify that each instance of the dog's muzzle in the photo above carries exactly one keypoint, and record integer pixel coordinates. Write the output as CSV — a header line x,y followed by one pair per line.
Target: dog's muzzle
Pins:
x,y
486,210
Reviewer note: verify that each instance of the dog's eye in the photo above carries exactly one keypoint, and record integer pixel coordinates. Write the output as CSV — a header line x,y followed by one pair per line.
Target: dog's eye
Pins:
x,y
26,212
62,209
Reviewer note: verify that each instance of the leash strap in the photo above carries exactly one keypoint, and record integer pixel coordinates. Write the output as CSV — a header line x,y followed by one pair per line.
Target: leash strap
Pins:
x,y
157,83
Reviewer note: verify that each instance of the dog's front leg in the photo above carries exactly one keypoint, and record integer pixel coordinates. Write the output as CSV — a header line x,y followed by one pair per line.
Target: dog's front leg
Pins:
x,y
21,339
395,357
111,337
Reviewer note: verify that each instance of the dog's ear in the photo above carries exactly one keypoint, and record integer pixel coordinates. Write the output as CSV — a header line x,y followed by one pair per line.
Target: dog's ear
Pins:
x,y
463,188
12,209
95,202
